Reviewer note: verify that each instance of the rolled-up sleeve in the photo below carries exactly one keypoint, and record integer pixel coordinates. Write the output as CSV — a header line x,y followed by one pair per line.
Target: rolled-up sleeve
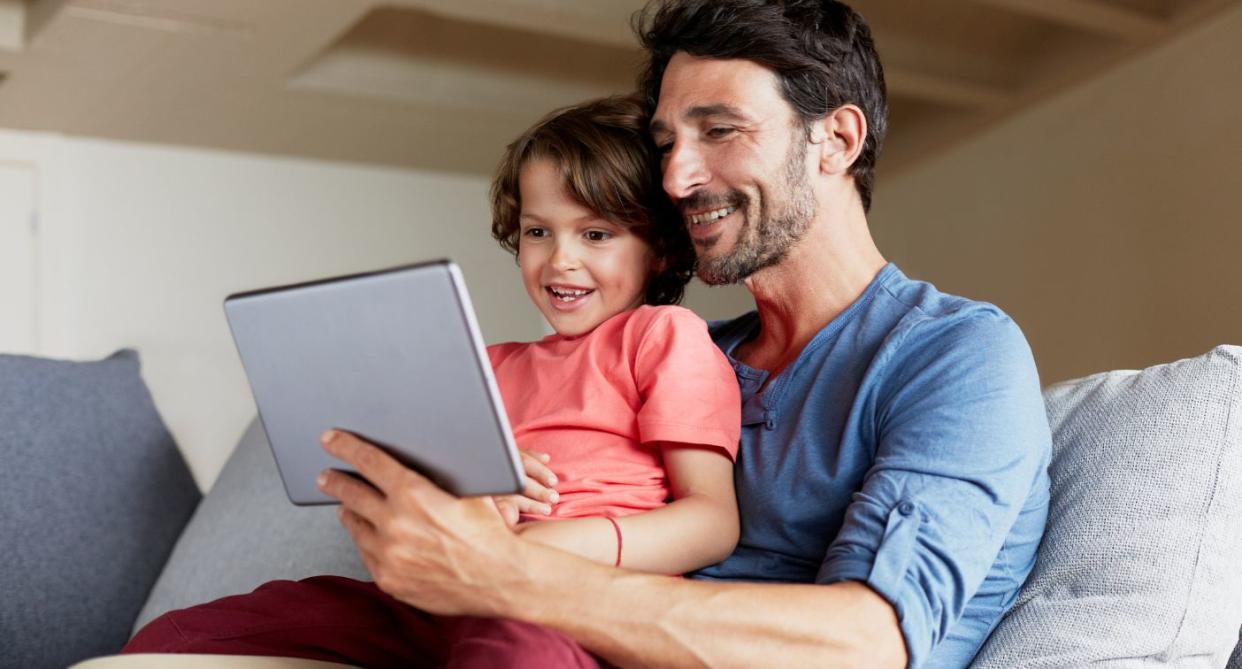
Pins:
x,y
961,436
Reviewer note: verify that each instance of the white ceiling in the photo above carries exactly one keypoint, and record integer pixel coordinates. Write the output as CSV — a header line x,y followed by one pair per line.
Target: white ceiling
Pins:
x,y
444,84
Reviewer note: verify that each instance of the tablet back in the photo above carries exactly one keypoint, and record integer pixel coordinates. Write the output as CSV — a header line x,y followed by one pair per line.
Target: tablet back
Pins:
x,y
393,356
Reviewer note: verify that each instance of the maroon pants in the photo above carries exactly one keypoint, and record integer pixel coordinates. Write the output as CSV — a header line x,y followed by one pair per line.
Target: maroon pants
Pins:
x,y
342,620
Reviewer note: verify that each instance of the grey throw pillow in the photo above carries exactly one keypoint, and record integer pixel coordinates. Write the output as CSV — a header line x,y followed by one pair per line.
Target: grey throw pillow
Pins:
x,y
93,493
1139,566
246,533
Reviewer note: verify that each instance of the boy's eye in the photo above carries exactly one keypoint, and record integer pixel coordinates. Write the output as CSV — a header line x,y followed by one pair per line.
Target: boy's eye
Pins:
x,y
597,235
664,148
535,232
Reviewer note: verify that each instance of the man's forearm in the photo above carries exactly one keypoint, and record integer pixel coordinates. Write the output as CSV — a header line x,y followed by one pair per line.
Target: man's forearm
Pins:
x,y
637,620
456,557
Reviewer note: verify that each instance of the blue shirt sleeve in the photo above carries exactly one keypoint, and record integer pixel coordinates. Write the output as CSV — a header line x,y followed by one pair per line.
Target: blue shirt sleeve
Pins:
x,y
961,436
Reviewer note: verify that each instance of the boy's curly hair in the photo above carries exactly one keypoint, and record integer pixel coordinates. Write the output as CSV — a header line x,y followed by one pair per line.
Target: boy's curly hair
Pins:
x,y
611,167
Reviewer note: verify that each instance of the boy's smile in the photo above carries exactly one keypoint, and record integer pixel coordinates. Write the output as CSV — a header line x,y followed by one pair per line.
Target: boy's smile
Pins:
x,y
578,268
568,298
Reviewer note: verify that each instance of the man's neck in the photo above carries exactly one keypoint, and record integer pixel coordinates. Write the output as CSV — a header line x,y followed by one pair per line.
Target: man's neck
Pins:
x,y
825,272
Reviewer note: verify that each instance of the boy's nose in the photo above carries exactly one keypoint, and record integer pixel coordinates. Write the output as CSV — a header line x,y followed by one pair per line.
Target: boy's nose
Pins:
x,y
564,258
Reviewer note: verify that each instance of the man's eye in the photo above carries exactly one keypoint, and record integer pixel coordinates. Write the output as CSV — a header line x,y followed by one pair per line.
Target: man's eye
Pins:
x,y
719,131
664,148
597,235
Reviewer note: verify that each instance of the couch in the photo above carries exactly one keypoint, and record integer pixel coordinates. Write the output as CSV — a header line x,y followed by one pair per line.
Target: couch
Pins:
x,y
103,528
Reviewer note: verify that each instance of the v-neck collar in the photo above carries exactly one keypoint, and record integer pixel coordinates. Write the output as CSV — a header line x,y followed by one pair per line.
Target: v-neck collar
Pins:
x,y
762,407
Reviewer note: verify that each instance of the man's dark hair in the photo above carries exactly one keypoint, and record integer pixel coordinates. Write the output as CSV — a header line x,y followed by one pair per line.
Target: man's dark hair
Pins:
x,y
821,50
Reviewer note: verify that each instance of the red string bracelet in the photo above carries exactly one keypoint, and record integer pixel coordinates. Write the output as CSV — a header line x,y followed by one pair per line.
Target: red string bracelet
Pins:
x,y
617,528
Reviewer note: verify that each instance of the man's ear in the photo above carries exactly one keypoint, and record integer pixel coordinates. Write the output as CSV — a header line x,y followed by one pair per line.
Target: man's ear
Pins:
x,y
839,138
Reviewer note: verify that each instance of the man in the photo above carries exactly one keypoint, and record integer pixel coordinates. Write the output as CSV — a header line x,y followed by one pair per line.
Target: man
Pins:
x,y
892,473
894,450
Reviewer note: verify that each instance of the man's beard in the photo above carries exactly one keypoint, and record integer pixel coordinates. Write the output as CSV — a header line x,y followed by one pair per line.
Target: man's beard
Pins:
x,y
773,235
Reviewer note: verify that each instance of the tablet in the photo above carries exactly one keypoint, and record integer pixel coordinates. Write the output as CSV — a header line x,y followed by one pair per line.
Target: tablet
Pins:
x,y
394,356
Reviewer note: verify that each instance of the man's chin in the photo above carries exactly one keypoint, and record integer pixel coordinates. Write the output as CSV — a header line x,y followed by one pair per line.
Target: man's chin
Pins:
x,y
715,269
714,276
736,267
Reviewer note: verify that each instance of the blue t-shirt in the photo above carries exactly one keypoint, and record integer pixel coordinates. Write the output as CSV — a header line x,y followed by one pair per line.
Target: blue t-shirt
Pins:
x,y
907,447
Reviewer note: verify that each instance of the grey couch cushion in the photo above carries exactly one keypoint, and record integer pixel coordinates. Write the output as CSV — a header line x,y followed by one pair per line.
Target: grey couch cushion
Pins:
x,y
1139,565
246,533
93,493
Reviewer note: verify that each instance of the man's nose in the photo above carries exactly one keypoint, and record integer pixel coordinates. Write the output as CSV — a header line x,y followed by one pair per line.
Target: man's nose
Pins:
x,y
684,170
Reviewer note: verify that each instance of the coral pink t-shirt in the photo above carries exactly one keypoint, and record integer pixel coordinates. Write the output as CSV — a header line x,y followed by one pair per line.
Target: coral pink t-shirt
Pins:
x,y
600,405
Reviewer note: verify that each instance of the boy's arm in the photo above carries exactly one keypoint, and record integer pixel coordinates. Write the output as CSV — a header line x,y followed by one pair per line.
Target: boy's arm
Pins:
x,y
699,527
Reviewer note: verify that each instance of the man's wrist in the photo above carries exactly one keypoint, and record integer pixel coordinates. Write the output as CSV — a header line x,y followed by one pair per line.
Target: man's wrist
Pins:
x,y
524,585
550,585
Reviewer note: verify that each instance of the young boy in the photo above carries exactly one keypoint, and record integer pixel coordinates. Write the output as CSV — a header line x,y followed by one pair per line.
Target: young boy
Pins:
x,y
630,399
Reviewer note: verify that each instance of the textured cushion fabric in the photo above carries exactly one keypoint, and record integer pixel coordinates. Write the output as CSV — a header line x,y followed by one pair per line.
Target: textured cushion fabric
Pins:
x,y
93,494
1140,562
246,532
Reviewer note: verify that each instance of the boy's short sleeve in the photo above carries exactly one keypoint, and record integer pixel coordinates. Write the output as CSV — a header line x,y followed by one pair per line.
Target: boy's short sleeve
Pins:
x,y
688,388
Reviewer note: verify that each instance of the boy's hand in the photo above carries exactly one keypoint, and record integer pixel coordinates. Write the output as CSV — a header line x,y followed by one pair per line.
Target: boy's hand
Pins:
x,y
540,493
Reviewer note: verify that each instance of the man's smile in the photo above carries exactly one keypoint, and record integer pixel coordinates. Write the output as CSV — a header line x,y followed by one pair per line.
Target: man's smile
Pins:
x,y
705,226
710,216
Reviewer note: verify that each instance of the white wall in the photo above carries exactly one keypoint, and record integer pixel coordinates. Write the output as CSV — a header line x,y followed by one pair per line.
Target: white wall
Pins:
x,y
140,244
17,256
1106,221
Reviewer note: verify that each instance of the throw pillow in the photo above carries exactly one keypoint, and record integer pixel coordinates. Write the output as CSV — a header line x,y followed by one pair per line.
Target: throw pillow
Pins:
x,y
1139,565
93,493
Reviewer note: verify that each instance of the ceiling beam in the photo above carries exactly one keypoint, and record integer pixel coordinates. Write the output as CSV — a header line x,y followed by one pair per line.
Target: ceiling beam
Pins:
x,y
942,90
598,21
1090,15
